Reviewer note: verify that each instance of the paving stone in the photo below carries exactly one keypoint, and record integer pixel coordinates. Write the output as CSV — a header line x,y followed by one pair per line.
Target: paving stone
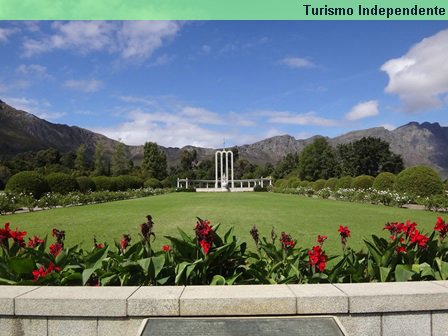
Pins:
x,y
417,324
395,296
361,324
439,323
7,296
119,326
319,299
72,326
155,301
237,300
75,301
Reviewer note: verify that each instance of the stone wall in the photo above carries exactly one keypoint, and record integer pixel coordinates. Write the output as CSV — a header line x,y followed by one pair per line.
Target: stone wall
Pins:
x,y
408,308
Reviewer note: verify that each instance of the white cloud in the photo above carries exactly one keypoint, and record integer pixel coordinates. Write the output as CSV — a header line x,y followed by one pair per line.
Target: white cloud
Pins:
x,y
363,110
130,39
201,116
38,107
297,62
310,118
88,85
164,128
32,70
389,127
420,77
137,100
5,33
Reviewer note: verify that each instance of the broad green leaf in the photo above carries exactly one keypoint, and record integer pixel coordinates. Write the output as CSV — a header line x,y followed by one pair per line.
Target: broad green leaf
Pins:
x,y
403,273
376,254
22,266
157,264
218,280
384,273
145,264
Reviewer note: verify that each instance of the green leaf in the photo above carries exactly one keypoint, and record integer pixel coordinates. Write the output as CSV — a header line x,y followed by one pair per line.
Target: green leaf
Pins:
x,y
22,266
218,280
157,264
384,273
7,282
180,270
376,254
403,273
145,265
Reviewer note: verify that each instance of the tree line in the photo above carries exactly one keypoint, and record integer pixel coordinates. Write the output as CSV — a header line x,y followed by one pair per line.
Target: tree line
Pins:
x,y
318,160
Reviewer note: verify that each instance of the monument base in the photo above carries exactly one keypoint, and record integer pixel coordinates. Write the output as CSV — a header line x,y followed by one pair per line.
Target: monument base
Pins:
x,y
224,190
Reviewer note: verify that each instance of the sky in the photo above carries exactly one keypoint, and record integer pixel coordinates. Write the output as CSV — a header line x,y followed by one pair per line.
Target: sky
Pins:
x,y
210,83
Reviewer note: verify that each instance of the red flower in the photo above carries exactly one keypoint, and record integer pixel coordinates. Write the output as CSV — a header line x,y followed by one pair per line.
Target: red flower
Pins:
x,y
344,231
166,248
442,227
5,233
418,238
35,241
204,234
321,239
401,249
56,248
42,272
99,246
317,258
205,246
124,242
287,241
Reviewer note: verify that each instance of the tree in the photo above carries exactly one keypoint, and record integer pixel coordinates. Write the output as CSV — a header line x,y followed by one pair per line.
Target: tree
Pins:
x,y
287,165
120,165
368,156
318,161
99,168
80,161
188,158
154,161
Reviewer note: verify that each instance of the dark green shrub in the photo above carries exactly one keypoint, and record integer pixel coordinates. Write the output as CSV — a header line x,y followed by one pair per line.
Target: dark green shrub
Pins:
x,y
190,189
304,184
319,184
344,182
259,188
362,182
104,183
153,183
169,182
126,182
419,181
85,184
61,183
331,183
384,181
293,182
28,182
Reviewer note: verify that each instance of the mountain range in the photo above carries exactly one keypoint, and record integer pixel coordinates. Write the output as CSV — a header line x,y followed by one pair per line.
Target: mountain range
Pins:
x,y
417,143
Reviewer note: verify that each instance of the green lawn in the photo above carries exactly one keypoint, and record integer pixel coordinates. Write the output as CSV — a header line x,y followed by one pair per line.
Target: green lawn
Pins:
x,y
304,218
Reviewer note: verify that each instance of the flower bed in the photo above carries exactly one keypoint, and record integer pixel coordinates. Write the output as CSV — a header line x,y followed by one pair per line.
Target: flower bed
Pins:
x,y
211,258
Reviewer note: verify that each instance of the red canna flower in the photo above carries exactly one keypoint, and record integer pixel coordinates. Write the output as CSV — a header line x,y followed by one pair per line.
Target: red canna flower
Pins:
x,y
321,239
124,242
96,244
344,232
318,258
56,248
166,248
442,227
205,246
42,272
418,238
35,241
287,241
5,233
401,249
205,234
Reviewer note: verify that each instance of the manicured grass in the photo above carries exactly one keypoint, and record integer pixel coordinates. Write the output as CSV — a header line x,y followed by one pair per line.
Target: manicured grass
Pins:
x,y
304,218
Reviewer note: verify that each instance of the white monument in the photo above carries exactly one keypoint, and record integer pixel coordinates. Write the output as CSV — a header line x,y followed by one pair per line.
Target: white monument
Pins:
x,y
225,159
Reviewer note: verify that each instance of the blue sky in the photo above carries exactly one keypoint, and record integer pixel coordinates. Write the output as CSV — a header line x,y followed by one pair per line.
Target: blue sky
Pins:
x,y
198,83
